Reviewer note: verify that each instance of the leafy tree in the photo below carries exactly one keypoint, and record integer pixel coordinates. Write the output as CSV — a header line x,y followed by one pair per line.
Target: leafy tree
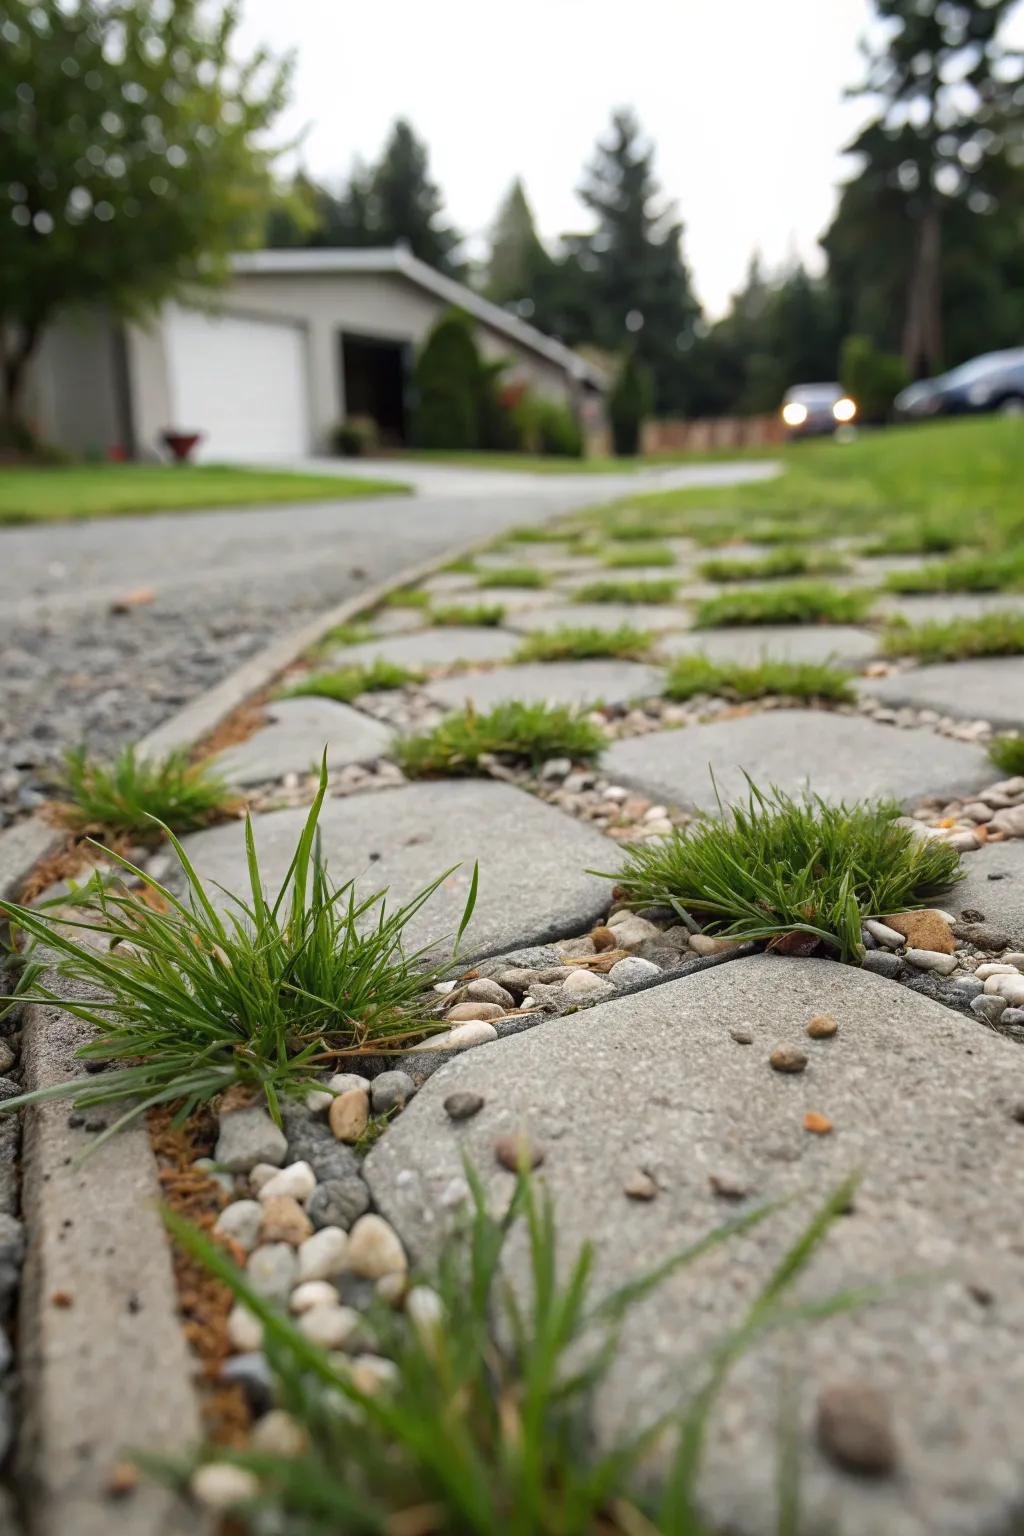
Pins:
x,y
132,160
637,283
871,377
405,206
449,373
949,103
629,403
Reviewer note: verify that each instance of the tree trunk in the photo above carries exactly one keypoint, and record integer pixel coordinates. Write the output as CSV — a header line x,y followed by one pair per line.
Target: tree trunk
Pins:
x,y
922,331
15,354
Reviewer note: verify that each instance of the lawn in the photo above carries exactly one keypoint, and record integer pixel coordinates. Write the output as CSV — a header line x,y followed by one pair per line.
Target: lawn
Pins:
x,y
113,490
556,464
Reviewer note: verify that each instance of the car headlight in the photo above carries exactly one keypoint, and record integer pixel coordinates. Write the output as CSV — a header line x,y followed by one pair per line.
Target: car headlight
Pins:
x,y
794,414
844,409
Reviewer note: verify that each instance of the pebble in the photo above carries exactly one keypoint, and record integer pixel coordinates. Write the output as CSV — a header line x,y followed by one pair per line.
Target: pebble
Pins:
x,y
338,1202
1010,987
252,1373
349,1115
470,1013
463,1105
313,1293
374,1249
475,1032
241,1222
392,1288
742,1036
924,930
977,810
318,1101
982,935
373,1373
284,1220
727,1186
1010,821
994,968
391,1090
884,934
486,991
297,1180
7,1057
817,1124
278,1434
788,1058
517,982
331,1326
883,963
322,1256
583,983
272,1271
990,1008
969,984
631,931
930,960
514,1152
854,1429
1015,958
440,1041
704,944
347,1082
822,1027
1012,1018
556,768
632,972
425,1310
244,1330
248,1137
640,1186
219,1485
261,1175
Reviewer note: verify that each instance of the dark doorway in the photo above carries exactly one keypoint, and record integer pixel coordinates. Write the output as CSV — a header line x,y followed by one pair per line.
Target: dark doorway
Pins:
x,y
374,373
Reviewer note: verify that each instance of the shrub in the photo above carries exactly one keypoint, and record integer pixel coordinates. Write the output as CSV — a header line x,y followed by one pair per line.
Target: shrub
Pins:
x,y
451,614
356,436
800,603
629,403
691,675
568,644
1007,752
449,383
871,377
526,733
346,683
776,865
610,591
267,996
990,634
138,797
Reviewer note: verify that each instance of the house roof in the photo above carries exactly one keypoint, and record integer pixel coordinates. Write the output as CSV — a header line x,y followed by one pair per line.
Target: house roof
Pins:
x,y
403,263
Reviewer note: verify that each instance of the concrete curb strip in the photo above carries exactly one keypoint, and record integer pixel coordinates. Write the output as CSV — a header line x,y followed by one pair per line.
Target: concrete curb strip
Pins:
x,y
22,847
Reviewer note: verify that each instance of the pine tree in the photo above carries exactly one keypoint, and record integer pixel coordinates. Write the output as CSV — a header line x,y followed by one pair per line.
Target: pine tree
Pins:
x,y
517,259
638,283
406,206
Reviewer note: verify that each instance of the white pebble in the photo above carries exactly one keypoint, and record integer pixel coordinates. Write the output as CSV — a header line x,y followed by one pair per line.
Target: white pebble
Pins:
x,y
582,983
344,1082
444,987
278,1434
330,1327
323,1255
319,1101
219,1485
1016,959
374,1248
244,1330
930,960
424,1310
616,792
1010,987
313,1293
297,1180
439,1042
994,968
241,1222
656,813
962,840
885,935
373,1373
262,1174
473,1032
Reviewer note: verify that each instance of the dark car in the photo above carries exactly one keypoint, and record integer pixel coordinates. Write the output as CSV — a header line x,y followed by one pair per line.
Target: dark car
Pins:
x,y
992,382
810,410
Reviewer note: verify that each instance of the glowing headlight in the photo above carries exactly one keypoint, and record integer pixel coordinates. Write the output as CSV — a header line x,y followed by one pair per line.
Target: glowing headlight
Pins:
x,y
794,414
844,409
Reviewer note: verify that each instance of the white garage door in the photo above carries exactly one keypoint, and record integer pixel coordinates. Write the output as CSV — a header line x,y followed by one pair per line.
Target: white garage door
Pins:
x,y
241,382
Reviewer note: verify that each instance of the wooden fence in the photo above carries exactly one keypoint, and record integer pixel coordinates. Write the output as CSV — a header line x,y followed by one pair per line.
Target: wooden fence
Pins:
x,y
704,436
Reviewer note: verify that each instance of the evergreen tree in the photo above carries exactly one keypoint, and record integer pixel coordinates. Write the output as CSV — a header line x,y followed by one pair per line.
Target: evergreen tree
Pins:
x,y
405,205
449,385
517,258
638,284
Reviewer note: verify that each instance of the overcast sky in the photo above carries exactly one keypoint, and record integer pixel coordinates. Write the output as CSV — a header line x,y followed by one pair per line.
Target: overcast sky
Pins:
x,y
743,99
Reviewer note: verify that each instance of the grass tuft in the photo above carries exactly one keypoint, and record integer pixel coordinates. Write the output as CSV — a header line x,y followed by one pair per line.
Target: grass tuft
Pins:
x,y
408,597
486,615
138,797
569,644
776,865
611,591
196,998
976,573
782,562
346,683
805,602
465,565
990,634
916,538
691,675
512,576
638,555
1007,752
527,733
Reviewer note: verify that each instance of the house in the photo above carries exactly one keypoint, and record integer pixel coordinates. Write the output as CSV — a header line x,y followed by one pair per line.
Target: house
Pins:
x,y
295,343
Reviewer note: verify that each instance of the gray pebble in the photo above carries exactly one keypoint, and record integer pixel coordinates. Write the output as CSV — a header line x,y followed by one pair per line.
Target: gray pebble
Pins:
x,y
252,1373
883,963
988,1007
483,990
311,1140
463,1105
1012,1018
338,1202
272,1271
248,1137
393,1090
632,972
970,985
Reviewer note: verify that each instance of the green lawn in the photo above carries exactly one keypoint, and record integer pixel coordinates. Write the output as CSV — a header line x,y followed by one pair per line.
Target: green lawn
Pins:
x,y
113,490
554,464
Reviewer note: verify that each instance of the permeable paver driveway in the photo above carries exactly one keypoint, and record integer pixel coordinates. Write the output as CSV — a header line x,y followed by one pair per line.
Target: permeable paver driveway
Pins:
x,y
576,683
991,690
779,642
295,739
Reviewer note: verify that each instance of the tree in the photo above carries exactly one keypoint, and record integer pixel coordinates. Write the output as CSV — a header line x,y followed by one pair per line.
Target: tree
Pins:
x,y
871,377
639,286
406,206
949,99
629,402
517,256
449,379
132,160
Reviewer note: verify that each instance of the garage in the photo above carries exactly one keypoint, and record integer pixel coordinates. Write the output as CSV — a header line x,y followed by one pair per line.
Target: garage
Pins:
x,y
241,382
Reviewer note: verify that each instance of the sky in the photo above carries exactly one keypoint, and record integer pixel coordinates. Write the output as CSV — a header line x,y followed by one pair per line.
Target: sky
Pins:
x,y
742,98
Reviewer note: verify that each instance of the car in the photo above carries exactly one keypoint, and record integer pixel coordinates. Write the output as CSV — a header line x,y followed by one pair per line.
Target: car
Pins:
x,y
812,410
992,382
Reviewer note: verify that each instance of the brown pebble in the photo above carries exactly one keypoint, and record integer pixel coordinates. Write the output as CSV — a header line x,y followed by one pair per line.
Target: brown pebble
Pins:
x,y
516,1152
742,1036
123,1479
284,1221
602,937
818,1125
788,1058
464,1013
349,1115
640,1186
62,1299
822,1027
463,1106
726,1187
854,1429
923,930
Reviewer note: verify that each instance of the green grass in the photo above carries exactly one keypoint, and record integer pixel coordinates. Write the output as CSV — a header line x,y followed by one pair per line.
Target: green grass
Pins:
x,y
638,555
138,797
196,997
798,603
487,615
611,591
114,490
783,562
569,644
975,573
692,675
526,733
1007,752
990,634
916,536
346,683
408,597
488,1428
465,565
513,576
343,634
544,533
635,526
774,865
